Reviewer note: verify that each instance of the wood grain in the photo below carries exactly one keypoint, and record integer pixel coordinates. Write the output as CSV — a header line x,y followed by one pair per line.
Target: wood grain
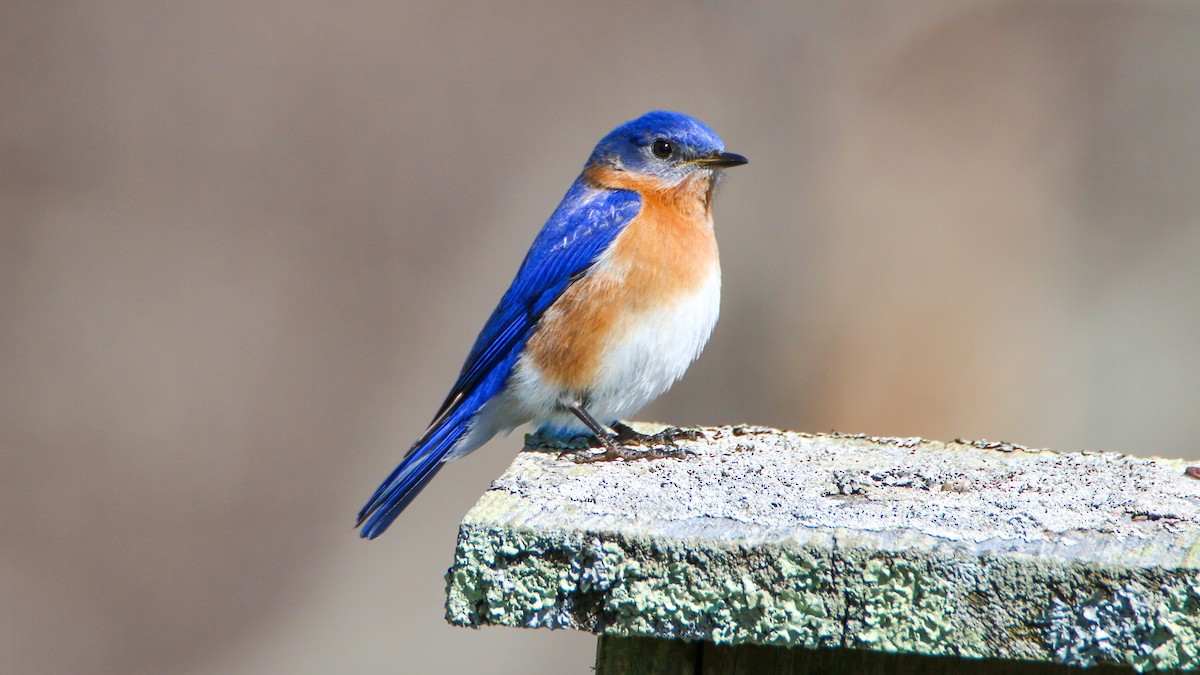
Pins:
x,y
891,545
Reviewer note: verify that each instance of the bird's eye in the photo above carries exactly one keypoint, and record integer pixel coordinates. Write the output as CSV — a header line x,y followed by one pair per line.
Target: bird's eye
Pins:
x,y
662,148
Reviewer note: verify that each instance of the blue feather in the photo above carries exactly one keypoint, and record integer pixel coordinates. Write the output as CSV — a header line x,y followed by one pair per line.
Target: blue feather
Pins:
x,y
580,229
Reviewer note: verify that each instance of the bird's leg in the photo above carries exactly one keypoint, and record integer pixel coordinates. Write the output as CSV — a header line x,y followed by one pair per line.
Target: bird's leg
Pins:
x,y
613,449
606,437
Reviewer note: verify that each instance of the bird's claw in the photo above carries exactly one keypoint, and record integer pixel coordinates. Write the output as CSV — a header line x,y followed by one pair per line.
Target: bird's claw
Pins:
x,y
629,445
668,436
627,453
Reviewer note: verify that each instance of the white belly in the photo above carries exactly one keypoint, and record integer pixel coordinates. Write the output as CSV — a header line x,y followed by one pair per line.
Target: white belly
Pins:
x,y
643,357
653,351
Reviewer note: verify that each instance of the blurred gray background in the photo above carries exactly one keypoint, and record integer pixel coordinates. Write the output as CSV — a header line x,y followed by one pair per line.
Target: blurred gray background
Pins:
x,y
245,246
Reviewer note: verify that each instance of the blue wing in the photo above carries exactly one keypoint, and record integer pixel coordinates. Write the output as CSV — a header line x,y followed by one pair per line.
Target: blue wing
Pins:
x,y
579,230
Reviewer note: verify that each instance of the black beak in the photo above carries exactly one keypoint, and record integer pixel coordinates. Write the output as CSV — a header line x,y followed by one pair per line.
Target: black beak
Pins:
x,y
723,160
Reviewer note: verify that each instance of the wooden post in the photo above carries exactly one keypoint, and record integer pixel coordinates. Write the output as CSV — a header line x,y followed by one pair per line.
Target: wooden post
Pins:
x,y
653,656
779,552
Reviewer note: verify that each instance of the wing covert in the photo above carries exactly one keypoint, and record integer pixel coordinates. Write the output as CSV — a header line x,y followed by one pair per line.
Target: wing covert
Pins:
x,y
586,221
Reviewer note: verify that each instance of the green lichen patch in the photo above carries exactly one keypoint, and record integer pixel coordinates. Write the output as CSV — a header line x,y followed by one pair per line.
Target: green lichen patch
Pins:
x,y
905,608
745,542
636,587
714,595
1135,623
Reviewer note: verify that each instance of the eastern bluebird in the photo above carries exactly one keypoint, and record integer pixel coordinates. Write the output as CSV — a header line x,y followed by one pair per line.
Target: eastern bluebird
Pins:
x,y
615,299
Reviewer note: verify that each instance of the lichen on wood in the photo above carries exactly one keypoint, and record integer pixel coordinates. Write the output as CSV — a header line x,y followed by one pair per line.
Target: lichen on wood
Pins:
x,y
970,549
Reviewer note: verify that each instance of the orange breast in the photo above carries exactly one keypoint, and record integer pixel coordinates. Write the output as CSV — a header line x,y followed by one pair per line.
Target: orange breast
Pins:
x,y
666,251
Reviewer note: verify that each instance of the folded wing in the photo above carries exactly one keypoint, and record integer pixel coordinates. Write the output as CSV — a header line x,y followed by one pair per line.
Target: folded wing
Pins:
x,y
579,230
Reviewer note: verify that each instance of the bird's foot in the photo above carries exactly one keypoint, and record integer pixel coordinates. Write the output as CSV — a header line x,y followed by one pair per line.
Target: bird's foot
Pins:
x,y
608,453
668,436
628,444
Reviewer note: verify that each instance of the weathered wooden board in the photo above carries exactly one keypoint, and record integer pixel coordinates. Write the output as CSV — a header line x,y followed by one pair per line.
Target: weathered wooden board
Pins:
x,y
978,550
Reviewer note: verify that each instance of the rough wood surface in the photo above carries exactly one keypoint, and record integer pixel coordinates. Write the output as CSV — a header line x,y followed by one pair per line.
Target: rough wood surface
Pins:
x,y
978,550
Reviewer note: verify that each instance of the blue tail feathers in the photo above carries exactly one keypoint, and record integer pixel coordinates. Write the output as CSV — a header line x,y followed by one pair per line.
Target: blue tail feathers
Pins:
x,y
419,467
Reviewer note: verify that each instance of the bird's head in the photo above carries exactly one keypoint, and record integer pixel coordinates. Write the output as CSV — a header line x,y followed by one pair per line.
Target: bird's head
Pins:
x,y
662,148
